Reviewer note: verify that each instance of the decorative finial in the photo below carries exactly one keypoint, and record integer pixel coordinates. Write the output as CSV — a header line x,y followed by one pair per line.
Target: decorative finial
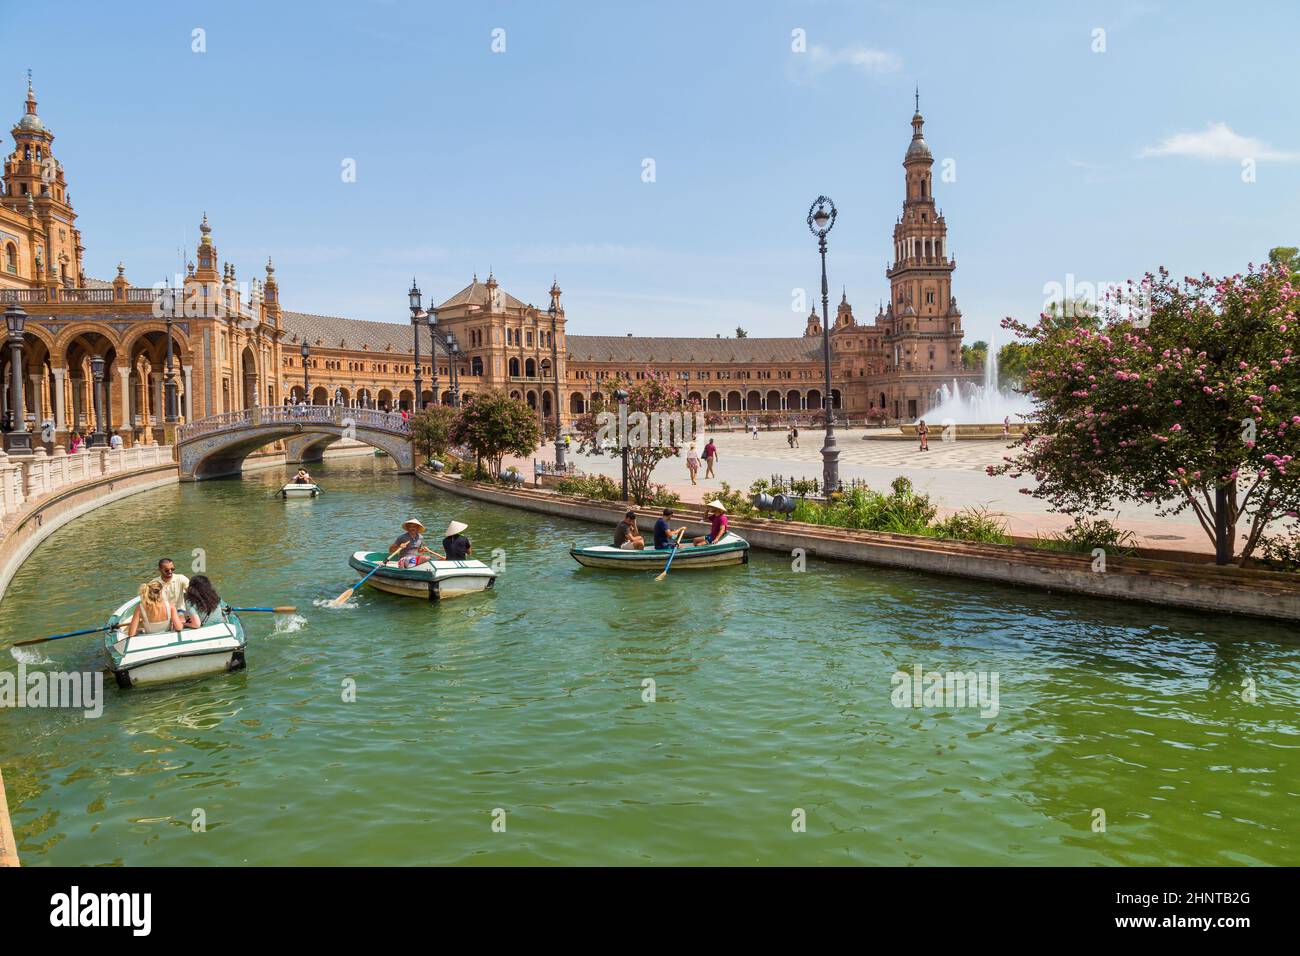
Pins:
x,y
203,226
270,267
918,97
121,268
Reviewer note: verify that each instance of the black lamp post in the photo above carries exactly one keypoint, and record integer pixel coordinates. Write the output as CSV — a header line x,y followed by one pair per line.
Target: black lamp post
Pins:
x,y
821,219
306,392
98,438
20,440
555,368
415,328
621,396
432,318
453,355
169,380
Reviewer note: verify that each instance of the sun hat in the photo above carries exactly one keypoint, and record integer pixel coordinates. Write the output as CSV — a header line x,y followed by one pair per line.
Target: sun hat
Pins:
x,y
455,528
415,521
715,504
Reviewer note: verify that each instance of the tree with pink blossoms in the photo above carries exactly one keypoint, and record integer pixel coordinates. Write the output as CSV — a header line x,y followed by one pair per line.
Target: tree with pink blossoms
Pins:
x,y
1186,396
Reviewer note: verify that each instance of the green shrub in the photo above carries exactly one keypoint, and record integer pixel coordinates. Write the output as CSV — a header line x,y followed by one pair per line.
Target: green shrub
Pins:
x,y
1085,534
973,524
735,501
661,497
1281,552
596,487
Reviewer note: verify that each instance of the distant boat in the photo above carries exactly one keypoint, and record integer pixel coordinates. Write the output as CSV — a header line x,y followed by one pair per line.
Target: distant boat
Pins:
x,y
300,490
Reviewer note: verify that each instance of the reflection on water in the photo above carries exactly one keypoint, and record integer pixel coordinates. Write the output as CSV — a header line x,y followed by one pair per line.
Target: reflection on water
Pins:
x,y
619,720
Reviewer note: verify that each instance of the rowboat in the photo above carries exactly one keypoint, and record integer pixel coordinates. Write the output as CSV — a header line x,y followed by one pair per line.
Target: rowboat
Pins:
x,y
432,581
295,490
729,549
171,655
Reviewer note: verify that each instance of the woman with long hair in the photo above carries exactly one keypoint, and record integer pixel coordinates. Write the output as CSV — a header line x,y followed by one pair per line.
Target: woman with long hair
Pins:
x,y
203,603
154,614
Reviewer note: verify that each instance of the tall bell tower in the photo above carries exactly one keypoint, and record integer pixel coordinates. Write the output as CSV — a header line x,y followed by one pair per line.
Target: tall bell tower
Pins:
x,y
920,279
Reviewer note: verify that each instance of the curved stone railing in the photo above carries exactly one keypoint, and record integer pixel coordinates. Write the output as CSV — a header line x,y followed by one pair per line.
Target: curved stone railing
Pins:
x,y
23,480
338,415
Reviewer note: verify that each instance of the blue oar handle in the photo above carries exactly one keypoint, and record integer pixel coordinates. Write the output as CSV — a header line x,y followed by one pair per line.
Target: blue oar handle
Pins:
x,y
268,610
59,637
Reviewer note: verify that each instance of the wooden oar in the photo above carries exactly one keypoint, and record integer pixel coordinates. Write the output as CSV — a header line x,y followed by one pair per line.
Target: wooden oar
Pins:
x,y
348,593
287,609
59,637
664,573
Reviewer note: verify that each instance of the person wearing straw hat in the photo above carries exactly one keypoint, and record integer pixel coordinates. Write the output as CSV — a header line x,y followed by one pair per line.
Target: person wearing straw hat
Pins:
x,y
717,522
410,547
456,544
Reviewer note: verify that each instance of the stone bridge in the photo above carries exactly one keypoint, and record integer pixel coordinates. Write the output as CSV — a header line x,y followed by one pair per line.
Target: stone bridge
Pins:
x,y
216,446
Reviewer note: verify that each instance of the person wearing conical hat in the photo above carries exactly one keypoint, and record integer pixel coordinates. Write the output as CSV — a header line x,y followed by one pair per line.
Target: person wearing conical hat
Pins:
x,y
410,544
455,543
717,522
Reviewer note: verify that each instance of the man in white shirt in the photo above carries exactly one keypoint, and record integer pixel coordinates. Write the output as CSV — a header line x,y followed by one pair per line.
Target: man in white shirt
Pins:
x,y
173,584
115,442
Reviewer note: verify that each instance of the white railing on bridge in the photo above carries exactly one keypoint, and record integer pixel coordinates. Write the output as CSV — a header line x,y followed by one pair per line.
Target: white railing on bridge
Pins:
x,y
25,479
338,415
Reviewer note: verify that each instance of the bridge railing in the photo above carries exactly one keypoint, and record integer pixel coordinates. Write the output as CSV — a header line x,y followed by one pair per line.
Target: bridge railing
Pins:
x,y
24,479
338,415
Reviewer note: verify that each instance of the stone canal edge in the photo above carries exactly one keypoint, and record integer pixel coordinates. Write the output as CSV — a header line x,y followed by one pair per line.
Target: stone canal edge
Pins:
x,y
1199,587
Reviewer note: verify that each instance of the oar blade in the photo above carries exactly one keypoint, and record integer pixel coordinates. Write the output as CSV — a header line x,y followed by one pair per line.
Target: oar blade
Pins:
x,y
342,598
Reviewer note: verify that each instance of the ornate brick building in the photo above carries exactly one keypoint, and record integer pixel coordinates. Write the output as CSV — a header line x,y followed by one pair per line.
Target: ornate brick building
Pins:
x,y
234,346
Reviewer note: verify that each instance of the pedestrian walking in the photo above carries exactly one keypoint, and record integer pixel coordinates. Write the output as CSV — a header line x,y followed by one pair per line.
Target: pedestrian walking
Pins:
x,y
693,462
710,458
923,433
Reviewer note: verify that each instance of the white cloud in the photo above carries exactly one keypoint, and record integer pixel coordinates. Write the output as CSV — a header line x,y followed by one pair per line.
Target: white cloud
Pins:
x,y
1217,142
860,58
819,60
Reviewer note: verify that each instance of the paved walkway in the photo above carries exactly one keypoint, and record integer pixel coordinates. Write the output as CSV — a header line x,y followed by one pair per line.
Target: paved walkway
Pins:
x,y
952,473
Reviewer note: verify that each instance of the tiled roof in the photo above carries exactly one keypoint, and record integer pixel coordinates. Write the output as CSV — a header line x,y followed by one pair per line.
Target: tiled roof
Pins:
x,y
476,293
332,331
645,350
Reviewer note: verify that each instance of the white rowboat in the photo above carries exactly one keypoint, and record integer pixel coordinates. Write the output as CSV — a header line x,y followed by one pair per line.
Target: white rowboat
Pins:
x,y
432,581
295,490
171,655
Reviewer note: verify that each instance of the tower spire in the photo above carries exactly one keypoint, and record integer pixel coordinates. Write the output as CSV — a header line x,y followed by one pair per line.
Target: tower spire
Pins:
x,y
918,97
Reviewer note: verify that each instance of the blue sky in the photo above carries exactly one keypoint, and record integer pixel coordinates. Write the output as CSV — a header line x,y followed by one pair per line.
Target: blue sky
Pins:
x,y
529,161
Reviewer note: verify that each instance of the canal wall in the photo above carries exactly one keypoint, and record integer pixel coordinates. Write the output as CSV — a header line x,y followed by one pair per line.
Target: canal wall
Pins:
x,y
32,516
8,846
1267,594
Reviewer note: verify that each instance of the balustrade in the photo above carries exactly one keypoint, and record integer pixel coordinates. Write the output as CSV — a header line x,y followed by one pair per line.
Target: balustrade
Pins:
x,y
23,480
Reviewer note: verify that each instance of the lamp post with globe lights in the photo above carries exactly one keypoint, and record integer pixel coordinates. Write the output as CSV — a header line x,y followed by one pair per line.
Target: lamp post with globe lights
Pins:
x,y
821,219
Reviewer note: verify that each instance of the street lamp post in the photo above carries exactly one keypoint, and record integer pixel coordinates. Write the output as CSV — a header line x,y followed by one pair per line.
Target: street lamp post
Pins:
x,y
555,368
432,318
821,219
621,396
415,328
306,391
20,440
98,438
169,376
453,354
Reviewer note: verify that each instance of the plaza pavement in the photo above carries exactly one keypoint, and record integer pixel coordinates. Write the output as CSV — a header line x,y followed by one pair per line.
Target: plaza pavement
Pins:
x,y
952,473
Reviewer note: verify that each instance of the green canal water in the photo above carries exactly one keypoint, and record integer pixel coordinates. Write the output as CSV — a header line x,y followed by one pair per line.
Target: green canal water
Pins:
x,y
772,695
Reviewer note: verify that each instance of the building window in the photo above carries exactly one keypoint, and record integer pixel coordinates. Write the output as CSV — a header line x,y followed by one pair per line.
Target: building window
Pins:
x,y
11,258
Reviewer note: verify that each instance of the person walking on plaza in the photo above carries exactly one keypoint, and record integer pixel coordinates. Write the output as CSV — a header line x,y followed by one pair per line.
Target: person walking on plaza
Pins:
x,y
115,442
923,433
710,458
794,433
1006,427
693,462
